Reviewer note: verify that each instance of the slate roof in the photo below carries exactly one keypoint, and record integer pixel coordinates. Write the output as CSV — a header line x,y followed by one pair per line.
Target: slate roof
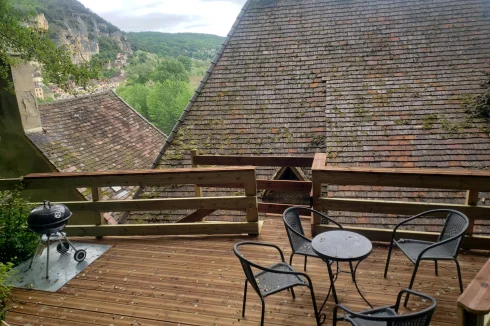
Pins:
x,y
97,132
372,83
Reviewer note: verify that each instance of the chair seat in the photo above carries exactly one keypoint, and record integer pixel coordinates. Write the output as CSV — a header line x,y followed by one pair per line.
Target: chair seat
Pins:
x,y
306,249
270,283
413,248
378,313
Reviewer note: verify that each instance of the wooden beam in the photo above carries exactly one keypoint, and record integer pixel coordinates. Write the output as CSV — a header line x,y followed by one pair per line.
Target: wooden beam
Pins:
x,y
250,186
164,229
197,188
196,216
277,185
319,161
471,200
138,178
99,217
237,160
10,184
236,203
384,235
316,190
476,297
418,178
396,207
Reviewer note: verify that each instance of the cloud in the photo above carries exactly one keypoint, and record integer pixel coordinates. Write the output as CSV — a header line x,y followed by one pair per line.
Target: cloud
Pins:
x,y
150,22
197,16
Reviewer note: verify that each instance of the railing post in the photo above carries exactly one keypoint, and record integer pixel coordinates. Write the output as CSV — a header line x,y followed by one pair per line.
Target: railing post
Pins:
x,y
318,164
197,189
471,200
99,216
251,190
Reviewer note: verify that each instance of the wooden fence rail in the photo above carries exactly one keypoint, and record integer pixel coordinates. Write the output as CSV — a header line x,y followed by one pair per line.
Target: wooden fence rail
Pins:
x,y
471,181
303,186
245,176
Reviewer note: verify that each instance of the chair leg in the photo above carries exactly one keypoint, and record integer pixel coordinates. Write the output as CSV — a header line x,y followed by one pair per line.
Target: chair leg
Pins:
x,y
291,259
292,292
459,276
244,298
263,312
306,257
437,269
411,282
389,257
317,313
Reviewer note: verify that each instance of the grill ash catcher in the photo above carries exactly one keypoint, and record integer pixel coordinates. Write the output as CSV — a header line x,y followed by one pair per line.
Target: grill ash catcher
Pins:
x,y
48,221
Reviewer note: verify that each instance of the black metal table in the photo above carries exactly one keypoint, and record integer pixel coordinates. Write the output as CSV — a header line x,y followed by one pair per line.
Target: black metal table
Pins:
x,y
341,246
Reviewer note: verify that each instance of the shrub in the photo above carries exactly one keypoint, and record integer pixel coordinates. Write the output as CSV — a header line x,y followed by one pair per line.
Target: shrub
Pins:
x,y
17,242
5,287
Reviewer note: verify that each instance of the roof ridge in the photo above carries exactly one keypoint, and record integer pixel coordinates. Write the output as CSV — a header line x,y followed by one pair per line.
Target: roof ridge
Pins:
x,y
76,97
139,114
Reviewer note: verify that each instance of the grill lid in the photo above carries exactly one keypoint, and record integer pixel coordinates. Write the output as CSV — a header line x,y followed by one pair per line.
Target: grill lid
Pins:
x,y
47,215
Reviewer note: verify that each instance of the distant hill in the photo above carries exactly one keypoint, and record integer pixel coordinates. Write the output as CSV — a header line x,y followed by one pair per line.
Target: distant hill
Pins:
x,y
197,46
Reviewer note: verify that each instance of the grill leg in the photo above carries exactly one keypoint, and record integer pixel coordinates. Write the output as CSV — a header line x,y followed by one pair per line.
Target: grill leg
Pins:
x,y
47,260
37,248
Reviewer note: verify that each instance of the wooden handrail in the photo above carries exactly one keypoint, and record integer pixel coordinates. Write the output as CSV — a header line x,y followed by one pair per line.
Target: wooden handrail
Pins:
x,y
474,303
133,178
416,178
236,160
277,185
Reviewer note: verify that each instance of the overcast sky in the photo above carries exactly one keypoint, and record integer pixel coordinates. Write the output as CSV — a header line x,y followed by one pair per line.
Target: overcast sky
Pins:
x,y
170,16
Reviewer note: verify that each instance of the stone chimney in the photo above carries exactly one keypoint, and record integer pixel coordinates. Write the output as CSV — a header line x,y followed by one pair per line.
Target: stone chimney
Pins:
x,y
22,75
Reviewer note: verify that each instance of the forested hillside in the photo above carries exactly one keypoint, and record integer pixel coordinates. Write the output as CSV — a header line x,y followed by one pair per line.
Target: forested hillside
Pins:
x,y
193,45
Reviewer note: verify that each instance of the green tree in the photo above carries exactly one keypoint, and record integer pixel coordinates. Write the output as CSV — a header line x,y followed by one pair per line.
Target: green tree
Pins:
x,y
135,95
166,102
20,42
170,69
140,73
186,61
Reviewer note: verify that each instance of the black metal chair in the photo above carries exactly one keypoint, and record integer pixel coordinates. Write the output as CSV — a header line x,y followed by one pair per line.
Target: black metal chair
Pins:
x,y
446,248
272,279
300,244
388,316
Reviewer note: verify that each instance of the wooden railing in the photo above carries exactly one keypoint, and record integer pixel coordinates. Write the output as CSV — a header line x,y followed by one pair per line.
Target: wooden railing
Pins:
x,y
245,176
470,181
268,161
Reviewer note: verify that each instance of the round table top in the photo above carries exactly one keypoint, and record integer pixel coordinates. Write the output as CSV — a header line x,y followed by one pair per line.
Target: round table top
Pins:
x,y
341,245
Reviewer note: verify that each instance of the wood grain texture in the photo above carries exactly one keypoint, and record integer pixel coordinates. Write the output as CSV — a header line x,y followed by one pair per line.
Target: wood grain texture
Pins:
x,y
139,177
476,297
238,160
419,178
197,280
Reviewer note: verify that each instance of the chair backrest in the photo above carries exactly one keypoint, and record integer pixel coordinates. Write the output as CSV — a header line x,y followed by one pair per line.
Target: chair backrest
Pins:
x,y
418,318
455,226
292,222
246,265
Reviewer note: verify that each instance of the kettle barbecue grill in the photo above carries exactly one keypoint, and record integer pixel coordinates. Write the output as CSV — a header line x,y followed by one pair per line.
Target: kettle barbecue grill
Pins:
x,y
48,221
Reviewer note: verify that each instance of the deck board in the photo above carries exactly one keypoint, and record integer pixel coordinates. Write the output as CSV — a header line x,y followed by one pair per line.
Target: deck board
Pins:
x,y
197,280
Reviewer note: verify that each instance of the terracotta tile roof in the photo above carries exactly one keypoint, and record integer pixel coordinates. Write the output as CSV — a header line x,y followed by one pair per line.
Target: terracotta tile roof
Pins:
x,y
97,132
372,83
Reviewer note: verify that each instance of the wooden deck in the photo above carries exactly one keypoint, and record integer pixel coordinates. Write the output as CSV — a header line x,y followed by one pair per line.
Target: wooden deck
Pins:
x,y
197,280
